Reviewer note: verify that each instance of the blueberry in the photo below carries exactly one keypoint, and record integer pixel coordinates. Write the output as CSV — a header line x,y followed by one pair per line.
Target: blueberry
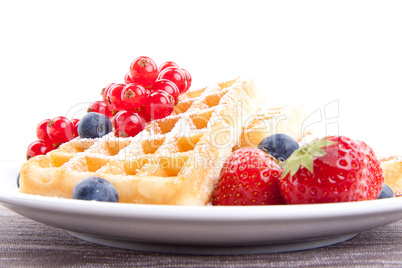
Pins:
x,y
280,146
386,192
94,125
95,188
18,180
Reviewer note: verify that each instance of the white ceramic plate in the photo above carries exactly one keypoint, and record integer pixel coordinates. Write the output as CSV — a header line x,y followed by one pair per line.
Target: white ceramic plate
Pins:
x,y
200,230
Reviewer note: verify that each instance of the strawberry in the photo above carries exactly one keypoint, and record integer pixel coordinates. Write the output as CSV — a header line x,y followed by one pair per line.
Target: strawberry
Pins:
x,y
332,169
376,174
249,177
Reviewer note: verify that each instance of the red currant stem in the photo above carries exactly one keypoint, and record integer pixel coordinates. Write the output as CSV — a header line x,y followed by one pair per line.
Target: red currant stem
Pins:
x,y
55,145
123,134
172,99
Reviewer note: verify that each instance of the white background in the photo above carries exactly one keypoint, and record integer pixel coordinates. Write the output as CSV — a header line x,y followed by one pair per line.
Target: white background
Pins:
x,y
55,56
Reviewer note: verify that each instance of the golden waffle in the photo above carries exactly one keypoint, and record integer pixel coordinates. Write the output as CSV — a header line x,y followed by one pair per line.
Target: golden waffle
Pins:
x,y
392,167
175,160
268,121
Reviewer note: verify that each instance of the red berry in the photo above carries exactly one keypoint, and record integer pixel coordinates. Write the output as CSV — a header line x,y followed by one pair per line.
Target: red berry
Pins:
x,y
167,64
41,130
114,97
133,96
376,174
248,177
38,147
189,79
105,91
99,107
332,169
60,129
167,86
141,111
41,133
127,79
176,75
143,71
75,125
159,104
127,124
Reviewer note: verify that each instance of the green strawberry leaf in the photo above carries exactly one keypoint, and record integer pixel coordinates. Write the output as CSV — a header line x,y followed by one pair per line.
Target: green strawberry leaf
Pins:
x,y
307,162
305,156
315,147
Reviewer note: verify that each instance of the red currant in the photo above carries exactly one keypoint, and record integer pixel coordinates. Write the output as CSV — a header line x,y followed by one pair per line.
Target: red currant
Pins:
x,y
105,91
38,147
114,97
167,64
100,107
75,125
143,70
128,124
159,104
41,130
141,111
127,79
60,129
167,86
41,133
133,96
176,75
189,79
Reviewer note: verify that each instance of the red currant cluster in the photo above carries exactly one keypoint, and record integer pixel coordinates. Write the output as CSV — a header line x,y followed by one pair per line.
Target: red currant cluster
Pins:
x,y
51,133
149,92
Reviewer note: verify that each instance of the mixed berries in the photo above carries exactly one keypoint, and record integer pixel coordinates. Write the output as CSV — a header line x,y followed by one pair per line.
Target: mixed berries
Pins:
x,y
148,93
278,171
331,169
148,90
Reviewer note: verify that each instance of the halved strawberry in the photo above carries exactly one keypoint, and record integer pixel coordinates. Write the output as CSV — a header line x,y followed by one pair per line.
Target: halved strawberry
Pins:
x,y
249,177
332,169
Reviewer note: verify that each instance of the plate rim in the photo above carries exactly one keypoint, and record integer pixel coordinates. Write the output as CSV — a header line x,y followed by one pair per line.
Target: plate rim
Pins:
x,y
295,221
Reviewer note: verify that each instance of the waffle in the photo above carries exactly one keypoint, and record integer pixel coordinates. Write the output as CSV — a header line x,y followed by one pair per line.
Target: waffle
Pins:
x,y
175,160
392,167
268,121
